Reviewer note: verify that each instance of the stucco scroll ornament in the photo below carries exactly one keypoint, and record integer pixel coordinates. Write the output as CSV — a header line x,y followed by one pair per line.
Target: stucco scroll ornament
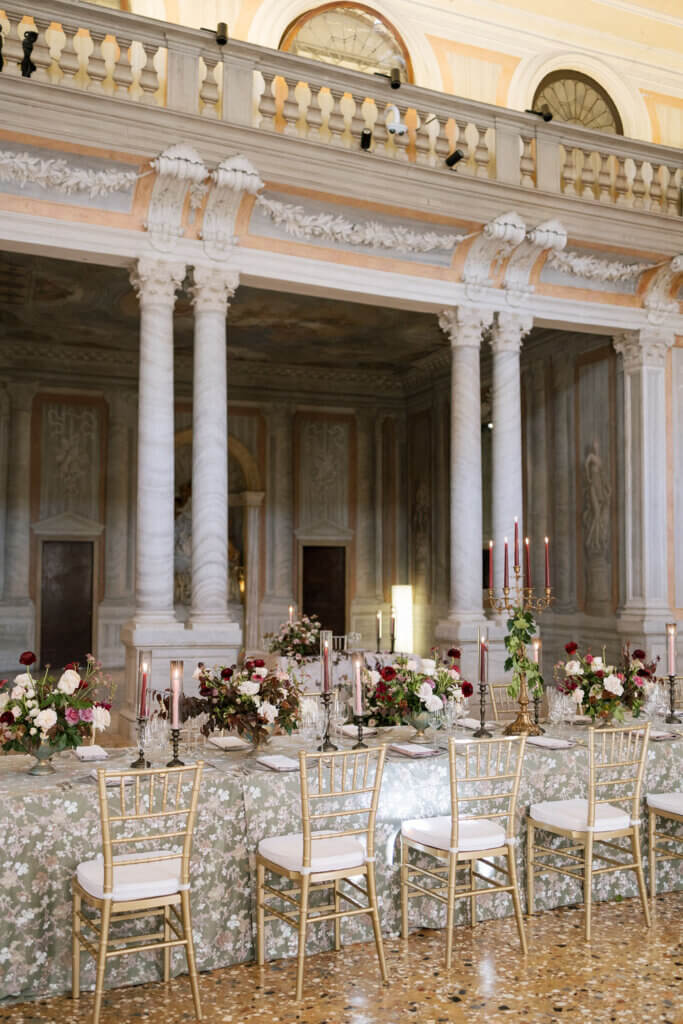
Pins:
x,y
493,244
551,235
231,179
335,228
58,175
595,269
179,168
660,296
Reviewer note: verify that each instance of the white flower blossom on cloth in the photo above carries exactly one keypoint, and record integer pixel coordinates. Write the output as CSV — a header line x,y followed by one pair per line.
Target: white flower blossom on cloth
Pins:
x,y
45,719
268,711
573,668
69,682
101,719
249,687
612,684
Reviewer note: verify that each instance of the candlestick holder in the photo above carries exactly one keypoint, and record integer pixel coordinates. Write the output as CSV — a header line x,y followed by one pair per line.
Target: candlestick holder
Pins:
x,y
672,718
175,761
327,743
482,732
141,761
537,709
359,721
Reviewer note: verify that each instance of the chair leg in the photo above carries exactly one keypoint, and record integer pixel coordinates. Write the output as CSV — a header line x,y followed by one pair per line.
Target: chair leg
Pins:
x,y
101,959
530,840
652,852
167,950
303,922
512,869
404,890
588,885
76,947
372,894
189,951
450,908
260,915
473,898
337,920
635,844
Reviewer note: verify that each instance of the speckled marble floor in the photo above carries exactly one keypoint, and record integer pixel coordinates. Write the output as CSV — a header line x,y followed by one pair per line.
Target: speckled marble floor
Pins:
x,y
627,975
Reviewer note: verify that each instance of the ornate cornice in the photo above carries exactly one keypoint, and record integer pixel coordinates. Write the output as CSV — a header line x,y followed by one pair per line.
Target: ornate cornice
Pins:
x,y
595,269
213,288
59,175
464,325
644,349
508,331
156,281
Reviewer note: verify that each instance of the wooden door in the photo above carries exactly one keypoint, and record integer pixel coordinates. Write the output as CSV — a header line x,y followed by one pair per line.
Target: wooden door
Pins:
x,y
324,586
66,602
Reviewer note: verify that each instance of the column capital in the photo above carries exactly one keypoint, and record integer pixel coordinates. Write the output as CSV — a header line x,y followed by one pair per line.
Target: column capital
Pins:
x,y
646,348
156,281
213,288
21,395
508,331
253,499
464,325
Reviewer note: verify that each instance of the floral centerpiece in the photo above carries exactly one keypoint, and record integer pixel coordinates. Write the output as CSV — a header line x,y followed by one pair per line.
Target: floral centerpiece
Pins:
x,y
605,691
411,690
298,639
43,715
250,700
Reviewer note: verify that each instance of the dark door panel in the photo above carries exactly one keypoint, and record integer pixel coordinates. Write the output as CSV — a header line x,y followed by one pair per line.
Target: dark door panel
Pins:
x,y
66,602
324,586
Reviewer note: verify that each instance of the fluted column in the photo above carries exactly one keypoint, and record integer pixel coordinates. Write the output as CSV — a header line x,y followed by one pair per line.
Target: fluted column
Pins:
x,y
279,518
213,287
253,500
365,575
645,600
18,544
118,462
156,282
464,326
506,402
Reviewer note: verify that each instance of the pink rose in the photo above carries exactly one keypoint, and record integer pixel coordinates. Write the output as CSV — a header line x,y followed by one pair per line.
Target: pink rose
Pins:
x,y
588,659
85,714
72,716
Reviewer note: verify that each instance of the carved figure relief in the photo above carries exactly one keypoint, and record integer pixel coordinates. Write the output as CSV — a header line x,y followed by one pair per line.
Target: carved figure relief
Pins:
x,y
70,473
596,503
324,474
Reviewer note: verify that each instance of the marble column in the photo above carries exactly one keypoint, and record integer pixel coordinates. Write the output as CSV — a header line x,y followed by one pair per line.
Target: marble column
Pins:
x,y
464,326
506,413
366,597
645,598
156,282
4,465
537,514
562,476
279,518
213,287
253,500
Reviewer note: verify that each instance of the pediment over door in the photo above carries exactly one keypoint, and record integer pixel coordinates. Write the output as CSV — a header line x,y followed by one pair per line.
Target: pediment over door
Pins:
x,y
68,524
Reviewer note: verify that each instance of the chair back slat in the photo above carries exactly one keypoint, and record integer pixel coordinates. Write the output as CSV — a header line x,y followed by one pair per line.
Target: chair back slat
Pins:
x,y
485,771
503,707
140,813
355,775
617,758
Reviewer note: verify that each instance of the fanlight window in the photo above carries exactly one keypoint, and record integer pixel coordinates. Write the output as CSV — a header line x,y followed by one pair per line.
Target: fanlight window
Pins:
x,y
351,36
577,99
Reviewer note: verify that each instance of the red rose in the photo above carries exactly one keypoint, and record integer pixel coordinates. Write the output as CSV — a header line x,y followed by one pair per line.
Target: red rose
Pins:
x,y
640,655
388,673
7,718
227,673
27,658
249,664
589,659
571,647
467,689
643,672
73,666
454,652
258,663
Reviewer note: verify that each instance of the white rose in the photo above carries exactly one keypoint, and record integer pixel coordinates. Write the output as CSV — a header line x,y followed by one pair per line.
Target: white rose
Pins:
x,y
411,665
45,719
577,695
612,683
17,692
261,672
425,692
248,688
69,681
101,719
267,711
597,663
16,711
374,677
33,732
573,668
636,663
34,711
433,703
24,680
453,673
428,666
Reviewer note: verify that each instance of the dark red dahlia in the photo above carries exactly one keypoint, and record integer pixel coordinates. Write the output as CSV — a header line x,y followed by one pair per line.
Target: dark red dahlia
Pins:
x,y
639,654
454,652
258,663
467,689
388,673
27,658
571,647
227,673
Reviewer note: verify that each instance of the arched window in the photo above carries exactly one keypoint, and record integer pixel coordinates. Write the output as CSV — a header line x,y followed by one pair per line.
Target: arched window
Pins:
x,y
349,35
574,98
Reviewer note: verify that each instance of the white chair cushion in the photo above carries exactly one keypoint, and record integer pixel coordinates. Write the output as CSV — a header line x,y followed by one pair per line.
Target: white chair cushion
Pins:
x,y
143,881
573,815
672,802
472,835
336,854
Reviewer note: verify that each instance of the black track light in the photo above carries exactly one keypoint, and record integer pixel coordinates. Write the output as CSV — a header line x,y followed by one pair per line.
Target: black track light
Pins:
x,y
365,138
221,33
545,114
454,158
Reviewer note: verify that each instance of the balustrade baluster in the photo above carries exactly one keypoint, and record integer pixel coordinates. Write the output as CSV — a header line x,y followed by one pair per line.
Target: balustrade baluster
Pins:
x,y
587,175
672,195
621,189
335,121
122,72
40,55
148,78
656,189
267,106
12,52
639,187
97,67
69,61
465,140
569,172
605,178
290,109
208,89
527,163
482,156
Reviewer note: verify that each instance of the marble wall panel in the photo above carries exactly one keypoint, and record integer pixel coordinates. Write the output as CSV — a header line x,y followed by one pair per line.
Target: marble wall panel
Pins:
x,y
677,483
71,463
420,484
323,484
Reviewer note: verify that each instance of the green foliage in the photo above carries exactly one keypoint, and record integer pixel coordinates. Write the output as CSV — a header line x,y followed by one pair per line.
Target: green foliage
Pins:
x,y
521,631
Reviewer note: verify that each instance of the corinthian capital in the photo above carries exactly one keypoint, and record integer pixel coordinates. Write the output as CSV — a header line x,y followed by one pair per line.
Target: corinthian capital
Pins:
x,y
156,281
213,288
464,325
508,331
644,348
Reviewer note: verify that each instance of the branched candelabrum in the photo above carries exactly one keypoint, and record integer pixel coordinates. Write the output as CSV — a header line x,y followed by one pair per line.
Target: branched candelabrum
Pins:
x,y
523,597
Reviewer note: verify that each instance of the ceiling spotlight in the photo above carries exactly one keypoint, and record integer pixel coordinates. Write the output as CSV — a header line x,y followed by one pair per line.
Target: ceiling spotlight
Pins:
x,y
221,33
454,158
545,113
365,138
395,78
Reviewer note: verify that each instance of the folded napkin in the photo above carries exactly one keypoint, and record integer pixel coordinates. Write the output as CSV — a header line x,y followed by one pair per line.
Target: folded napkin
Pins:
x,y
656,734
93,752
413,749
352,730
550,742
229,742
114,780
278,763
474,723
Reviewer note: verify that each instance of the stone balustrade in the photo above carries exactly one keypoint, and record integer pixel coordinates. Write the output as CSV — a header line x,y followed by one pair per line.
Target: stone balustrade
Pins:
x,y
116,54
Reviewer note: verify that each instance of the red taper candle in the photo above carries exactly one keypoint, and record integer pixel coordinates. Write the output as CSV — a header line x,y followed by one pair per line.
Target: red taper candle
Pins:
x,y
506,569
527,563
547,564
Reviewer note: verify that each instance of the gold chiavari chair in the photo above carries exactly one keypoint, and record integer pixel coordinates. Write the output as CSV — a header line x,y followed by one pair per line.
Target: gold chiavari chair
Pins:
x,y
486,773
335,789
661,844
616,766
503,707
140,810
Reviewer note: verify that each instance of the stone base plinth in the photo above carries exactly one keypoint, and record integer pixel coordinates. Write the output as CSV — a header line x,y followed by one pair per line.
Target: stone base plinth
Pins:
x,y
17,633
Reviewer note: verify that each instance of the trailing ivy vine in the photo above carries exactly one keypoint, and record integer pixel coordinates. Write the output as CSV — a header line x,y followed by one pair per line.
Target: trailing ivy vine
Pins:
x,y
521,631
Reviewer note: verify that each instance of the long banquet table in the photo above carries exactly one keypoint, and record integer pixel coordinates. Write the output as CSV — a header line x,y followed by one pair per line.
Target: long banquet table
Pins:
x,y
51,823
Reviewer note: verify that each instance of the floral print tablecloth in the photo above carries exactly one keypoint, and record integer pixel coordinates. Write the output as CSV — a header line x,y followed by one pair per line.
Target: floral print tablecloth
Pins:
x,y
50,824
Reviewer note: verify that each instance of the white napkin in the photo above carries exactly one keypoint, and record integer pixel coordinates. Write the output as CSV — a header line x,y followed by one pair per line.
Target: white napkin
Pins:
x,y
474,723
229,742
656,734
352,730
413,749
278,763
114,780
550,742
93,752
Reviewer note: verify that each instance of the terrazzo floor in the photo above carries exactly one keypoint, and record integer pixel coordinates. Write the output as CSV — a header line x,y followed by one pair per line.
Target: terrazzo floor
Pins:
x,y
626,975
